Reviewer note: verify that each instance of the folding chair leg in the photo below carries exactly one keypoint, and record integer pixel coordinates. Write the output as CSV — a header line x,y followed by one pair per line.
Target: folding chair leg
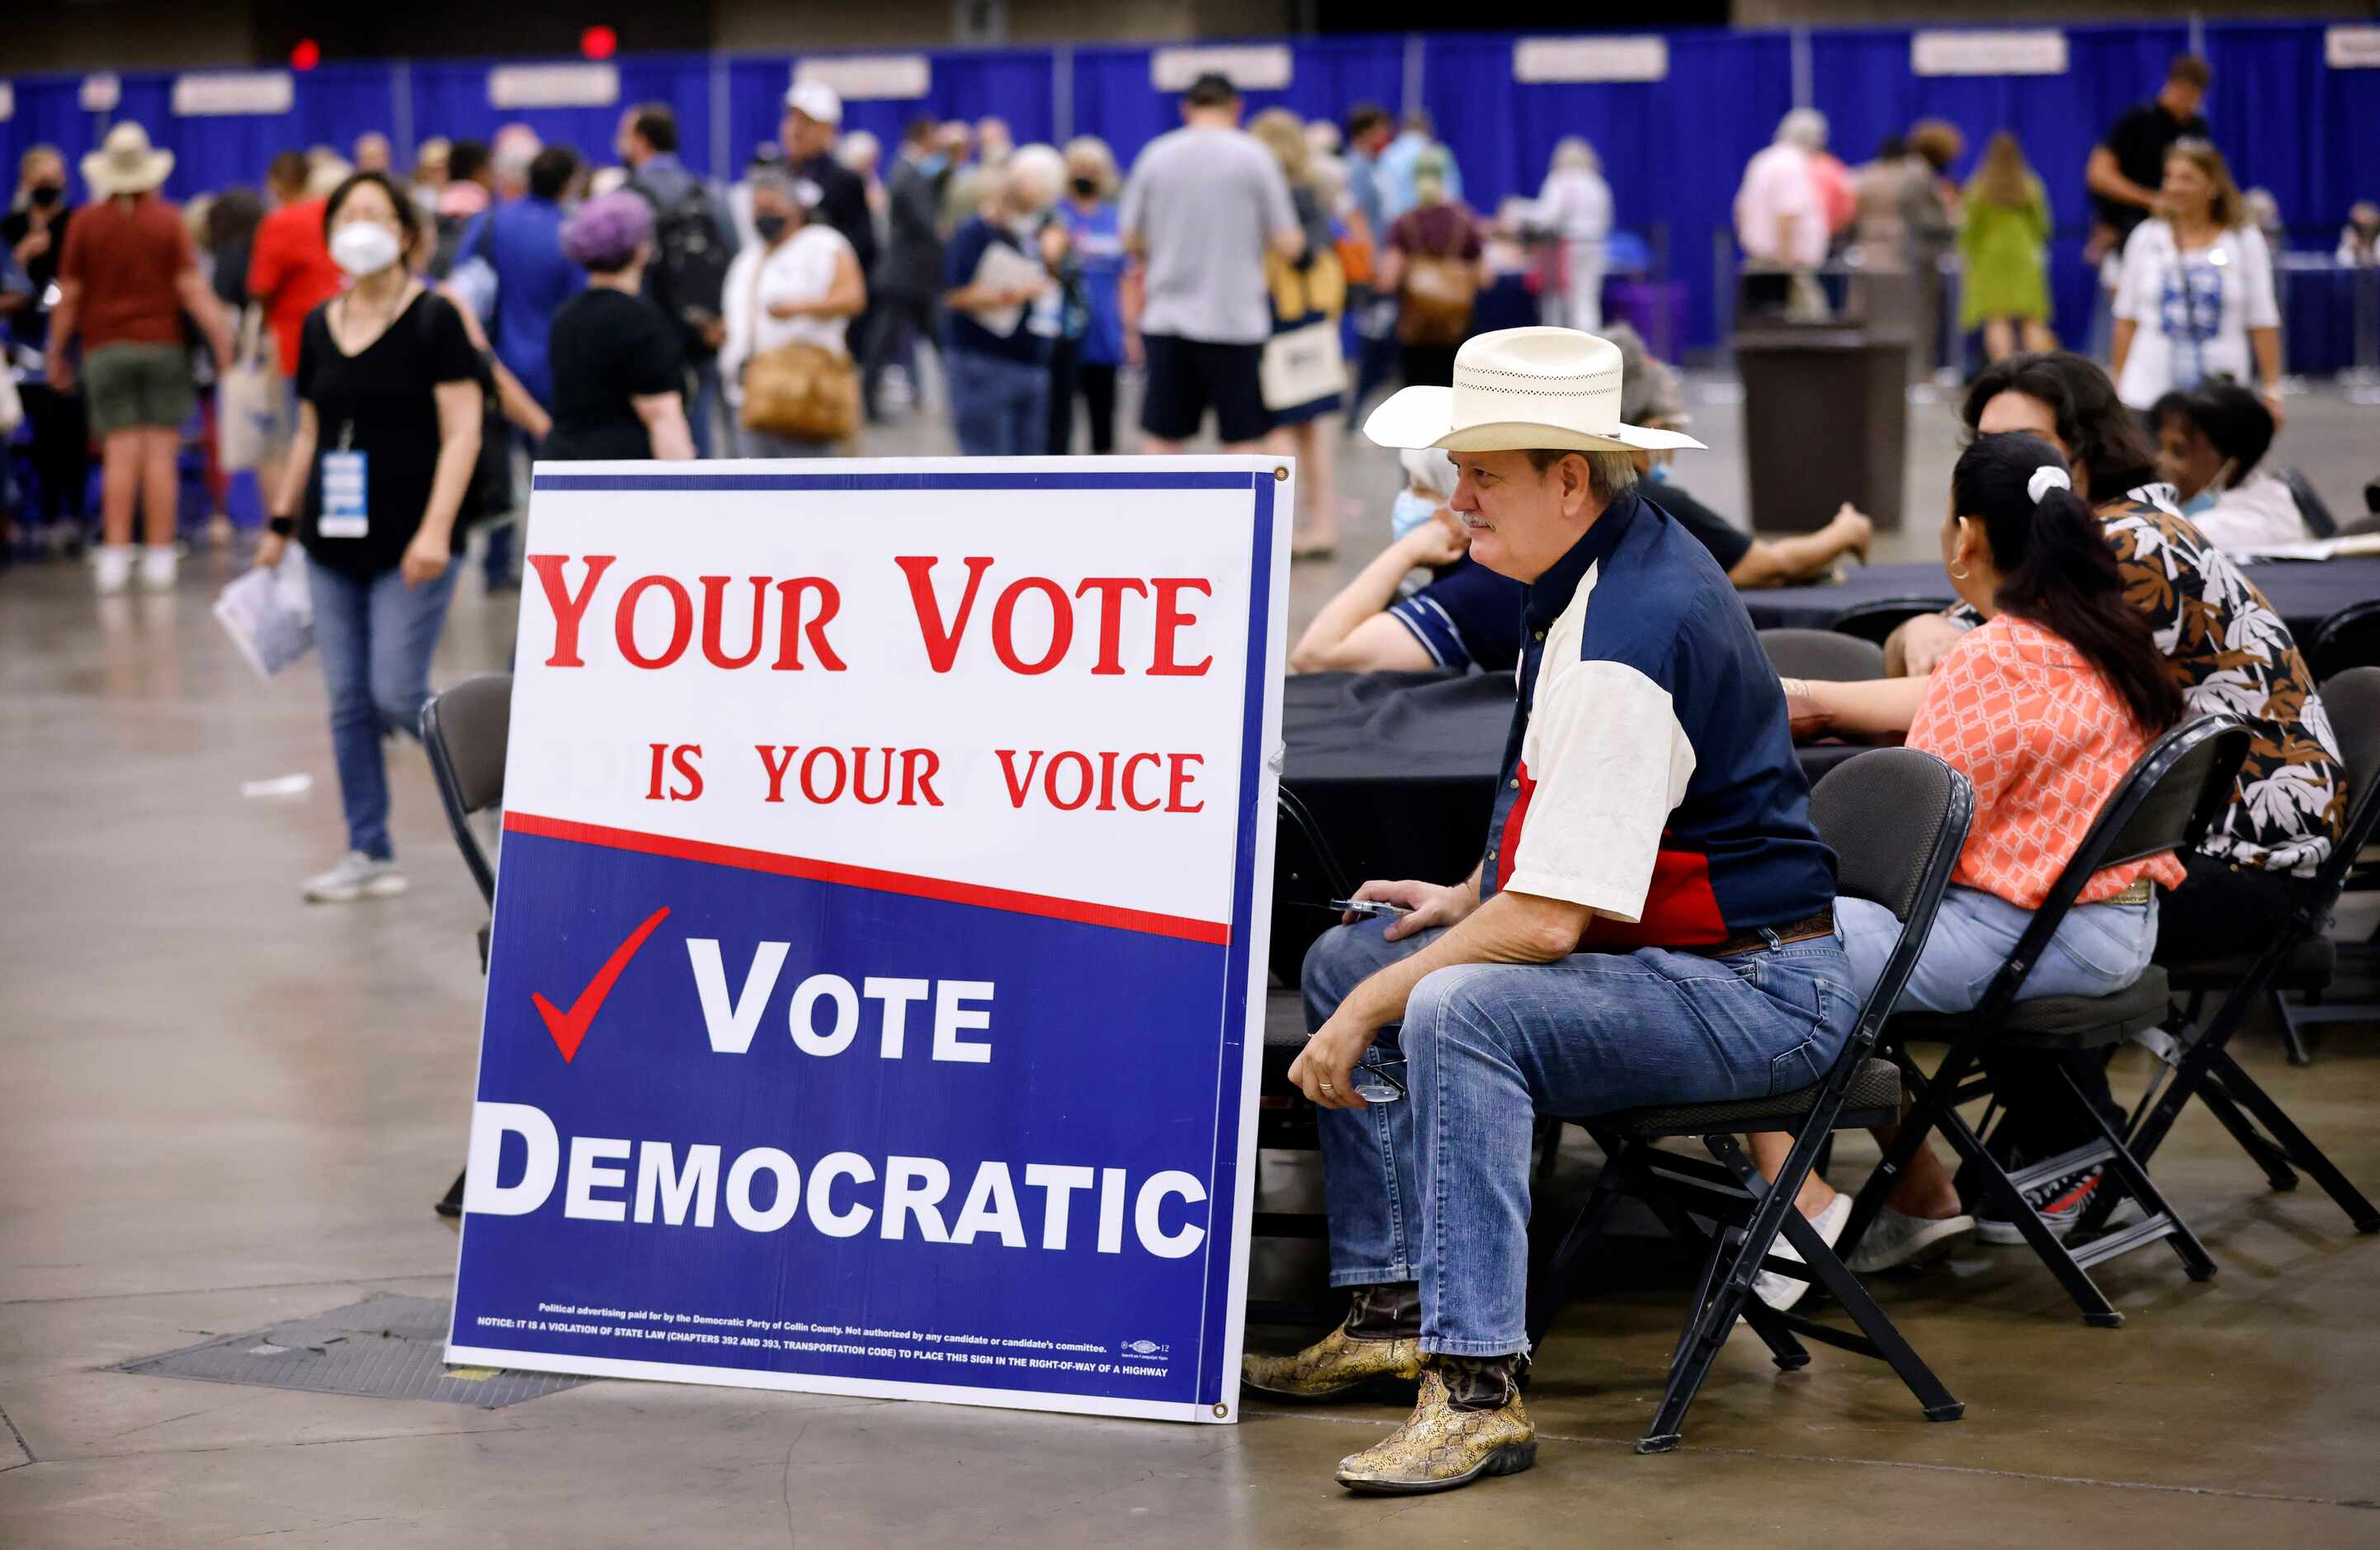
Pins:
x,y
1551,1288
2097,1310
2290,1037
1828,1270
2238,1084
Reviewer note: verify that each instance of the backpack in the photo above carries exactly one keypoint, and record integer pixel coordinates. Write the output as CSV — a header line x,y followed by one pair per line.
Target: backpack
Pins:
x,y
690,260
1440,289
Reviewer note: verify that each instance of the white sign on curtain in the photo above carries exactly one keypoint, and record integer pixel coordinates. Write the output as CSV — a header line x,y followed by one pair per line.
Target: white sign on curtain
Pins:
x,y
223,94
863,77
1542,60
1258,67
2351,48
2040,52
514,86
100,93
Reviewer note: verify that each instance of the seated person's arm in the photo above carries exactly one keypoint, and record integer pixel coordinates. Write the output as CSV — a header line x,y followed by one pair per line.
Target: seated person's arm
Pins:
x,y
1353,635
1914,647
1773,562
1874,708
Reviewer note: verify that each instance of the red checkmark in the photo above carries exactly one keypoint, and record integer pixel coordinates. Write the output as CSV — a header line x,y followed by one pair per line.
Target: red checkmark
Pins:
x,y
569,1027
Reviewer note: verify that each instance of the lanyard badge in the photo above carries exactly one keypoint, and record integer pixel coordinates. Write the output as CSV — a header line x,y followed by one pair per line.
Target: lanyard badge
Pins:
x,y
346,511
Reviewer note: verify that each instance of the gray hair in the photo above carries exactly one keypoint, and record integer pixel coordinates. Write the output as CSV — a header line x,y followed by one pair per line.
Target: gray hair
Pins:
x,y
1804,126
1648,389
1038,172
1610,475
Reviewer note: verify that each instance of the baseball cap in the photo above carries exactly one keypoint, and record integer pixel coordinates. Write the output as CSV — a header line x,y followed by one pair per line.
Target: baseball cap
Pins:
x,y
815,100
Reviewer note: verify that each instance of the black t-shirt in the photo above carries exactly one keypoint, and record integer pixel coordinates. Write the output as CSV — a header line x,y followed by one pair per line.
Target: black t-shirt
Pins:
x,y
382,403
607,347
1727,542
2140,140
843,204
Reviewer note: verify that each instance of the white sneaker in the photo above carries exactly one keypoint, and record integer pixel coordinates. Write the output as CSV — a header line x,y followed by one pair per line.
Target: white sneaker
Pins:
x,y
159,563
1896,1238
356,877
111,568
1781,1293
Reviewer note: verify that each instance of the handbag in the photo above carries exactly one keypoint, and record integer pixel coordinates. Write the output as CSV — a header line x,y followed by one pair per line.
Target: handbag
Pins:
x,y
248,406
1302,364
802,391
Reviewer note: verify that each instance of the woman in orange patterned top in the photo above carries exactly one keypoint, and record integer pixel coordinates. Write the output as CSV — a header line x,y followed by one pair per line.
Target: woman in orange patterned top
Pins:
x,y
2044,709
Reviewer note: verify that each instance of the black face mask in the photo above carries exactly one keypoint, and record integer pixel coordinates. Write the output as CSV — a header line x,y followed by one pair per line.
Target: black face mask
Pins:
x,y
1087,187
771,227
47,194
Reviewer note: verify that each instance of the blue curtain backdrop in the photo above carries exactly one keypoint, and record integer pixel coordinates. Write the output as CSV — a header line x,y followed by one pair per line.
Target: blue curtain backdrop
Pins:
x,y
1672,150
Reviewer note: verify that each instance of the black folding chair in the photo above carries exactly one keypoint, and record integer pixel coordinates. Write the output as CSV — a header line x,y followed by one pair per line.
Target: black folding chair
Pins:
x,y
1875,621
2349,638
2201,1060
2165,802
2311,505
1897,819
466,730
1822,655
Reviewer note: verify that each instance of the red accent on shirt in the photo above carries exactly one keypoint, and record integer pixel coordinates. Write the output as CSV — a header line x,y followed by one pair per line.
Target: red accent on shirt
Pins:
x,y
290,272
128,254
1508,842
1680,911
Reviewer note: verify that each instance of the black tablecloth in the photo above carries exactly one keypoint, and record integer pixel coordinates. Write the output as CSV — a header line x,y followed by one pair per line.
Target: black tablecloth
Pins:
x,y
2304,593
1398,771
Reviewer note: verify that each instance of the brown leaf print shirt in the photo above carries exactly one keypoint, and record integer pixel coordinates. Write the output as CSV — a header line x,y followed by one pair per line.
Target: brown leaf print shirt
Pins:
x,y
2230,653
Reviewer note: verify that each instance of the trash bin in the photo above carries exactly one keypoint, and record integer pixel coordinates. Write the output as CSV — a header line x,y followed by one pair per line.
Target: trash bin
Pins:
x,y
1825,420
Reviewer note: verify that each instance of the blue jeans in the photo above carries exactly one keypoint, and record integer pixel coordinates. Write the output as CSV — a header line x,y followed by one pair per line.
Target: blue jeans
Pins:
x,y
2098,950
376,635
703,412
1434,1187
999,407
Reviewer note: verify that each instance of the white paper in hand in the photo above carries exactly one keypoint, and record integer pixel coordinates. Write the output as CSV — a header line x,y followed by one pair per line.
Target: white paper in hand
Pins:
x,y
270,616
1003,268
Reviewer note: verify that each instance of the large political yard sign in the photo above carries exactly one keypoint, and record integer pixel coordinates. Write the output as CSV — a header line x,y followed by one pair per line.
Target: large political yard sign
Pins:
x,y
877,980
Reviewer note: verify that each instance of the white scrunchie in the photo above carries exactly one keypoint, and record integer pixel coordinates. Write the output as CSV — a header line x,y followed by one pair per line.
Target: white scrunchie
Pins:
x,y
2045,478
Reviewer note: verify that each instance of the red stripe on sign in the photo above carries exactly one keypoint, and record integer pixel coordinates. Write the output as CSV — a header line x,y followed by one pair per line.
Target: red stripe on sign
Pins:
x,y
1188,930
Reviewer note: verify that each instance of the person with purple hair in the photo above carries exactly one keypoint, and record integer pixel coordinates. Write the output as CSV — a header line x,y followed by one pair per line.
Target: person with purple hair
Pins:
x,y
618,379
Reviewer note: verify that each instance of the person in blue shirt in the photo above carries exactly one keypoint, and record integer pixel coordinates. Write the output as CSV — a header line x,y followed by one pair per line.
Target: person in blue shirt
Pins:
x,y
1396,164
1092,347
999,363
520,242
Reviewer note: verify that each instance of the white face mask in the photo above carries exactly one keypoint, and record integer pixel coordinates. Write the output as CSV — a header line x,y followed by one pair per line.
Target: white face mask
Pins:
x,y
364,248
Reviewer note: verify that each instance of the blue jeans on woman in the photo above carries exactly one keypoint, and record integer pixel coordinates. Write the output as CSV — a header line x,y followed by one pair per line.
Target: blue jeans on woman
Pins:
x,y
999,407
376,635
2098,950
1434,1188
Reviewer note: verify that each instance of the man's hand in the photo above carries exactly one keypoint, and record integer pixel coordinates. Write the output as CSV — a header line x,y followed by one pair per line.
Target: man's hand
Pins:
x,y
713,332
2101,243
2271,397
1430,904
1324,1068
61,374
1922,642
36,243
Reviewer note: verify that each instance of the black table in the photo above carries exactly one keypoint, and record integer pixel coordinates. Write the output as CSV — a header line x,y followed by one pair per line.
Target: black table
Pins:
x,y
1398,771
2304,593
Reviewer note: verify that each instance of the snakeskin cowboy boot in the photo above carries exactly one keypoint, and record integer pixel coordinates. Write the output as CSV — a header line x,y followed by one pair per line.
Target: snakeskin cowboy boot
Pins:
x,y
1468,1422
1379,1339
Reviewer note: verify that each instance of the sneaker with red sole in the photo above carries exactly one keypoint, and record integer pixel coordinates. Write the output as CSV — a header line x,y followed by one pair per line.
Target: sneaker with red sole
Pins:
x,y
2059,1203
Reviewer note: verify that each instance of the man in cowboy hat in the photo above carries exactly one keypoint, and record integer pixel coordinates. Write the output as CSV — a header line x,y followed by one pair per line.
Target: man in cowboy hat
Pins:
x,y
1651,921
127,275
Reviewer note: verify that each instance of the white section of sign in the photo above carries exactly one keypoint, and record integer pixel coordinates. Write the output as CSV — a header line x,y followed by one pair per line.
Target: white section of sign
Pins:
x,y
224,93
8,102
581,736
511,86
2037,52
2351,48
1537,60
863,77
1256,68
100,93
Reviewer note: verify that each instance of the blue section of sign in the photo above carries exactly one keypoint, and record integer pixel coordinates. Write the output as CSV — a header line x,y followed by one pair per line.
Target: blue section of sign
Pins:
x,y
1102,1055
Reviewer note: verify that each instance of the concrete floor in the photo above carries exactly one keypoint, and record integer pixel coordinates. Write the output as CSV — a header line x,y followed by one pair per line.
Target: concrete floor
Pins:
x,y
219,1108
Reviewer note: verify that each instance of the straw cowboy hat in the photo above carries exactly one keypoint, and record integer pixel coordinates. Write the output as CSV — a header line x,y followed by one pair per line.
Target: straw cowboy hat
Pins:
x,y
124,163
1518,390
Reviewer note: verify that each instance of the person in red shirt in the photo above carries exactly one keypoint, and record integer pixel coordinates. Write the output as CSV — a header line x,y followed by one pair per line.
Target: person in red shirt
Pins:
x,y
290,275
128,274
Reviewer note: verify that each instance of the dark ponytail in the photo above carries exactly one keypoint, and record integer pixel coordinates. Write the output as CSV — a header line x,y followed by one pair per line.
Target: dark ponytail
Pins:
x,y
2057,572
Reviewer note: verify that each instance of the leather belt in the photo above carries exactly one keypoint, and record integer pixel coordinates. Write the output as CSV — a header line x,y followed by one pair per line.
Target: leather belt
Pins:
x,y
2137,893
1809,928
